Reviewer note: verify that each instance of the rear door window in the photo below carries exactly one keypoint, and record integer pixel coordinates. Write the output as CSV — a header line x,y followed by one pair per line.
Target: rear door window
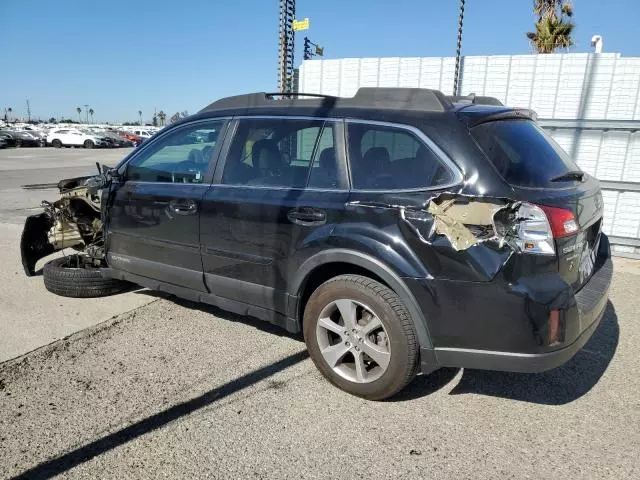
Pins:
x,y
524,154
385,157
279,152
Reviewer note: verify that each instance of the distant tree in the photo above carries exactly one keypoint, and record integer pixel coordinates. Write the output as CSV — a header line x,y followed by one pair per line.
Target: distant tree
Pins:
x,y
553,27
154,121
79,110
91,112
9,117
68,120
162,116
184,114
175,117
52,120
140,115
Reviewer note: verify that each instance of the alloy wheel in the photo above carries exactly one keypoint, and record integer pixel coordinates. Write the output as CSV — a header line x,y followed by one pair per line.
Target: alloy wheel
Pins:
x,y
353,341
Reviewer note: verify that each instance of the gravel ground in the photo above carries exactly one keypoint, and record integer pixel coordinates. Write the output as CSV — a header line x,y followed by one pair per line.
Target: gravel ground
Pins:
x,y
176,390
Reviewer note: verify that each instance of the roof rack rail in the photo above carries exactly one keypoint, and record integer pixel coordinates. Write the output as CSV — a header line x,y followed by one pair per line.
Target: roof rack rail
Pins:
x,y
402,98
417,99
297,94
474,99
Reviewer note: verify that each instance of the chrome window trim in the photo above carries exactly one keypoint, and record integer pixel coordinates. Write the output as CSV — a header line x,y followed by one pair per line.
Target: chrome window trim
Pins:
x,y
438,152
278,187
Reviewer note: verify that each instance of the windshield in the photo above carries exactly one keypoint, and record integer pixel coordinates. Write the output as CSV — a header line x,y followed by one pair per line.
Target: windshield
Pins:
x,y
524,154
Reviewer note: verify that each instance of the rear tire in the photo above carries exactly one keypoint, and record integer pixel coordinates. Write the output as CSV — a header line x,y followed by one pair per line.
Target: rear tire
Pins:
x,y
56,143
18,143
368,361
89,144
63,277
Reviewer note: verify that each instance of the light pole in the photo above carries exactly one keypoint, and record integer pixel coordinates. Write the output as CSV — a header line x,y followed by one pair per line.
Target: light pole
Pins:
x,y
456,80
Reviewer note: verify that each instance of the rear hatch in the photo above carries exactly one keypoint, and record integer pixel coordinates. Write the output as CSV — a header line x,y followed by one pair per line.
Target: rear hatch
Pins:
x,y
540,172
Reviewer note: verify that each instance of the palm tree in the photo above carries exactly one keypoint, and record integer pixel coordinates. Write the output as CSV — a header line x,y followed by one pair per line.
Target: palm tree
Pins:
x,y
79,110
553,28
140,115
9,110
91,112
162,116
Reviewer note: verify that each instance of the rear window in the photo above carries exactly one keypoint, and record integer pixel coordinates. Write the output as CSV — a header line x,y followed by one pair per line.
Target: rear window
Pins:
x,y
523,153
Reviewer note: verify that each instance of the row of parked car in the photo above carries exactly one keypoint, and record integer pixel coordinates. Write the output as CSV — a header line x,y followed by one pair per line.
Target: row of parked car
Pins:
x,y
71,136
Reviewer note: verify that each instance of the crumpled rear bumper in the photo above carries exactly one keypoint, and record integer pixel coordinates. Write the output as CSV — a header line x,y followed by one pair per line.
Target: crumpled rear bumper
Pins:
x,y
583,312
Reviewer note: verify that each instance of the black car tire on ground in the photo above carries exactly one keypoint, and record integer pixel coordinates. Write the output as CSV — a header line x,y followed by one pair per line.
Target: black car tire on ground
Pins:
x,y
18,143
391,311
89,144
56,143
64,278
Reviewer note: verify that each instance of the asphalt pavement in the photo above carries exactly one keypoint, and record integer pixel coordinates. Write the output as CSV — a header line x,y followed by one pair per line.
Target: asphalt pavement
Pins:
x,y
172,389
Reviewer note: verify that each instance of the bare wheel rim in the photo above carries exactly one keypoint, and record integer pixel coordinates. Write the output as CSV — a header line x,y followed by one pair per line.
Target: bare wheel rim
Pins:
x,y
353,341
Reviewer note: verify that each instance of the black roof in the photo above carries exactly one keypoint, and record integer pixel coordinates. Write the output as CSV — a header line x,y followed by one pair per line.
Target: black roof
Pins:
x,y
410,100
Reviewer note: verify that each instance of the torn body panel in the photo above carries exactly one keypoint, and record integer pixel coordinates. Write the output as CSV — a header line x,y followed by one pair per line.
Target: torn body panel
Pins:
x,y
73,221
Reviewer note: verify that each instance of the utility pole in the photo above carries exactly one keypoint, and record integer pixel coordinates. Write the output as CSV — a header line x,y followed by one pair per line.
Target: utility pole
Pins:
x,y
28,111
456,75
286,45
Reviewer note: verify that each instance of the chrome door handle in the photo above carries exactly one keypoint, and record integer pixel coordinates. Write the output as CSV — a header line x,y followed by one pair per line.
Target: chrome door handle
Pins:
x,y
307,216
183,207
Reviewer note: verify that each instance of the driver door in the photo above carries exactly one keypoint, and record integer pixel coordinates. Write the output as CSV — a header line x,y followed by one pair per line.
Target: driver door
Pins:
x,y
153,220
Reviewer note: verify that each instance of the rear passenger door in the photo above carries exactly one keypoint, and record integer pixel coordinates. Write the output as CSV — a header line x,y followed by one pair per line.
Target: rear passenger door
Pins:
x,y
281,188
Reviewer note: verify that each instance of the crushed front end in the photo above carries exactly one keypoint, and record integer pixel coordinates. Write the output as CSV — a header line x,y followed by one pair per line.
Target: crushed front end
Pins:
x,y
73,221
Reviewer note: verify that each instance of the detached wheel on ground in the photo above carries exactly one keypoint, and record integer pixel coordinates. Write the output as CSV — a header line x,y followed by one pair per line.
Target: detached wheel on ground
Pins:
x,y
73,276
360,336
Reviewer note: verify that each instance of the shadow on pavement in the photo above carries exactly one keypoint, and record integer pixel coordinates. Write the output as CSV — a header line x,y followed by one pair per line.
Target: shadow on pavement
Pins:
x,y
424,385
83,454
554,387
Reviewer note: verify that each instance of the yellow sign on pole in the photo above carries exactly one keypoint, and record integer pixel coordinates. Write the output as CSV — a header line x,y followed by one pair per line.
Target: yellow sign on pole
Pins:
x,y
301,25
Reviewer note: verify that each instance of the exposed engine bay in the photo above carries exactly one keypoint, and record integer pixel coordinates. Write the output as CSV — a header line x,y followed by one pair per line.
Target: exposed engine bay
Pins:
x,y
73,221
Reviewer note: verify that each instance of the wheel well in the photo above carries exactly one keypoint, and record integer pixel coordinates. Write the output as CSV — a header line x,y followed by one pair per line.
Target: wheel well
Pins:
x,y
326,272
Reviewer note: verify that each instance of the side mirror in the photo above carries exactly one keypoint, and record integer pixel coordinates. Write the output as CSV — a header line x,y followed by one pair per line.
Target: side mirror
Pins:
x,y
114,175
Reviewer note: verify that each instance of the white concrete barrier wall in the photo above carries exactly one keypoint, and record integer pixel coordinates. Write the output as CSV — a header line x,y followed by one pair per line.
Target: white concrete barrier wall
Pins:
x,y
569,86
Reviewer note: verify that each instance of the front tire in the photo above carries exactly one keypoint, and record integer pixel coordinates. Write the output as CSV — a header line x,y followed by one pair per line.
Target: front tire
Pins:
x,y
360,336
89,144
56,143
72,277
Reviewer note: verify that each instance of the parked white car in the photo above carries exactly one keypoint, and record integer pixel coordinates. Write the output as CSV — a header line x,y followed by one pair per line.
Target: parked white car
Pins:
x,y
143,133
69,137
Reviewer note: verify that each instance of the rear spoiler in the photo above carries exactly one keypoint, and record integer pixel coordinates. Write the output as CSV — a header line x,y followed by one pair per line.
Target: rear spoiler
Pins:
x,y
471,119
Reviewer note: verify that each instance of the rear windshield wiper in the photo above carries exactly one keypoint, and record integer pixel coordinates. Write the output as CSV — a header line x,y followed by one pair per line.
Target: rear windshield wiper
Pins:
x,y
570,175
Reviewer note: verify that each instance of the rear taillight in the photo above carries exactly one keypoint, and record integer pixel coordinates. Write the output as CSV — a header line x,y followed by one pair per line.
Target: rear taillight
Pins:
x,y
533,233
539,225
562,221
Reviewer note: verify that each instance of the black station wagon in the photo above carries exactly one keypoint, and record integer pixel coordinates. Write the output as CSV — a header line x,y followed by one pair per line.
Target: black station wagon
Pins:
x,y
400,230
